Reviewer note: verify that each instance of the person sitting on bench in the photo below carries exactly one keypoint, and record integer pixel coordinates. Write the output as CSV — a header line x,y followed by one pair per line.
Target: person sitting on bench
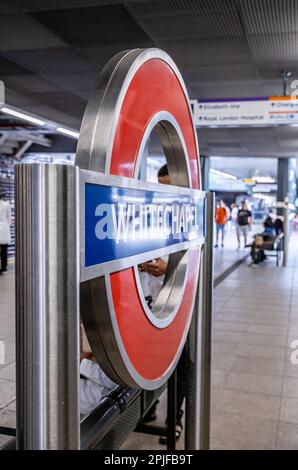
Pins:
x,y
262,241
279,226
94,383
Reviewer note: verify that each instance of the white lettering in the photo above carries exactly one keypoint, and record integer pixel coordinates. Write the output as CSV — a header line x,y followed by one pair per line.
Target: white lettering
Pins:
x,y
2,352
182,219
127,222
103,228
122,227
294,355
159,219
175,221
116,460
188,218
166,221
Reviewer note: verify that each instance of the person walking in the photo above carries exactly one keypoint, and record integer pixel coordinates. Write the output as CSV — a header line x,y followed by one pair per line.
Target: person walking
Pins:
x,y
5,222
244,221
221,217
234,215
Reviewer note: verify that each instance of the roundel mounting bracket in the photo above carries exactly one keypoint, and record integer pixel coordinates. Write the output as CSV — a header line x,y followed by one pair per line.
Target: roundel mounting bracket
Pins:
x,y
139,91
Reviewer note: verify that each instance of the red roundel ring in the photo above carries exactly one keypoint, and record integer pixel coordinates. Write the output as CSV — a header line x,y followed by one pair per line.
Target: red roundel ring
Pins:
x,y
138,89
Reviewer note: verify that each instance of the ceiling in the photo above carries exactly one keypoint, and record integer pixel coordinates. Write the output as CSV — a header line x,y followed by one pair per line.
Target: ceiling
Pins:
x,y
246,167
52,51
279,141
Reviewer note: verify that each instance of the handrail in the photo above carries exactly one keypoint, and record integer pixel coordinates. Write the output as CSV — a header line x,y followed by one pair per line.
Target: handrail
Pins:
x,y
96,425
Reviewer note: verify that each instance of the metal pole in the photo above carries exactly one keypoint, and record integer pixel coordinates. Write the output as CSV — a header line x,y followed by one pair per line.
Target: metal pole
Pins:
x,y
285,86
207,309
192,407
286,234
172,411
197,422
47,306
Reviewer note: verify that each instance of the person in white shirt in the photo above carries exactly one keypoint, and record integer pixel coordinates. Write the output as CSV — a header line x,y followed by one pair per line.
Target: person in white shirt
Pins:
x,y
152,274
156,268
94,384
5,222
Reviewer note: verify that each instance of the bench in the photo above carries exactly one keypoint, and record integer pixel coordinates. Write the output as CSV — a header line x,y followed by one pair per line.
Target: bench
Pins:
x,y
273,248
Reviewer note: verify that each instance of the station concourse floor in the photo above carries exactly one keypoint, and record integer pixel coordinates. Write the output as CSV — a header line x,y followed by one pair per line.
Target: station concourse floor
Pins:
x,y
254,385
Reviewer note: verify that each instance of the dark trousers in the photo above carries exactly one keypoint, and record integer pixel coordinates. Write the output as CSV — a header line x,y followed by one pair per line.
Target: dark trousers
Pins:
x,y
3,249
181,382
181,388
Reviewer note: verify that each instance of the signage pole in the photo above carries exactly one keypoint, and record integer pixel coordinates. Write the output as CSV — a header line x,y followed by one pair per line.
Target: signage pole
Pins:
x,y
286,233
197,420
172,411
207,307
47,307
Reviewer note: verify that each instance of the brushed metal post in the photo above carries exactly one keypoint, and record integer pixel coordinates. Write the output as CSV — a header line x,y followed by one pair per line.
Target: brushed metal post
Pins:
x,y
47,306
286,233
207,309
193,393
197,420
172,411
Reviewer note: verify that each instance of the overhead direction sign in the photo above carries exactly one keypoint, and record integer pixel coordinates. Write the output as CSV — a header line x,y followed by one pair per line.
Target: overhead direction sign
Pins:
x,y
260,111
249,181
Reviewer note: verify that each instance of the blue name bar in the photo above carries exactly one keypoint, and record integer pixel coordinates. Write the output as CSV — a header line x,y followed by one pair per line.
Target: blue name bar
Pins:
x,y
128,222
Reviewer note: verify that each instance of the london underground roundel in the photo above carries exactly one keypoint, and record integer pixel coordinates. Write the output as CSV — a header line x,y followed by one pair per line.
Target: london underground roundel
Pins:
x,y
126,221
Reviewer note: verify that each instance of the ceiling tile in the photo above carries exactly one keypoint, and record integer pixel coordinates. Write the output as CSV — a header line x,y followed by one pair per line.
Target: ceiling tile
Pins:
x,y
94,26
51,61
44,5
163,20
28,83
8,67
75,82
20,32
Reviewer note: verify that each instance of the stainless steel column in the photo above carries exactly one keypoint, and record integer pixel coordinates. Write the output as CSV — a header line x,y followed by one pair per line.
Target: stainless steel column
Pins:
x,y
197,422
286,233
207,309
47,306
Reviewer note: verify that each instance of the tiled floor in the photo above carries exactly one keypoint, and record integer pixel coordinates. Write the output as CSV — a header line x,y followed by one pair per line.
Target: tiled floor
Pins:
x,y
254,384
225,257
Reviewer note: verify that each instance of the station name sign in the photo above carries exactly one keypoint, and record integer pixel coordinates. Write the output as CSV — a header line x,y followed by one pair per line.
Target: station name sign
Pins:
x,y
125,222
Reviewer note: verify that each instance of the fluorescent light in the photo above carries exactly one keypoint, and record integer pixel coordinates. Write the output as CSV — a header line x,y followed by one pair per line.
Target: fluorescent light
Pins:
x,y
258,196
39,122
263,179
68,132
221,173
154,162
24,116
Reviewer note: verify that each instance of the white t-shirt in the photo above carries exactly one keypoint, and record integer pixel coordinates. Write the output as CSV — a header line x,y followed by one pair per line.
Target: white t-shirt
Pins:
x,y
234,213
5,221
94,386
152,285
